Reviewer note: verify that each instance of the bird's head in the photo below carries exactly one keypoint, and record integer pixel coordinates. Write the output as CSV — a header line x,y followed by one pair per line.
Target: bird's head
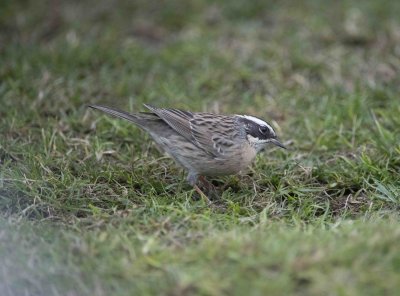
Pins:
x,y
258,132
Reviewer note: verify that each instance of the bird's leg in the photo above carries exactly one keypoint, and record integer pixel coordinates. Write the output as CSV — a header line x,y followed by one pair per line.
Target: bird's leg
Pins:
x,y
208,185
192,180
211,191
198,190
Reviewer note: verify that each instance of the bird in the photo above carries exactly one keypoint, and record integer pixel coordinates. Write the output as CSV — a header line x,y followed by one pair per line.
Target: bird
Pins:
x,y
204,144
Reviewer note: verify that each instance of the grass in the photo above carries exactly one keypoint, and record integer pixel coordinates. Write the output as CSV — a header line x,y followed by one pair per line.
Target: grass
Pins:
x,y
88,206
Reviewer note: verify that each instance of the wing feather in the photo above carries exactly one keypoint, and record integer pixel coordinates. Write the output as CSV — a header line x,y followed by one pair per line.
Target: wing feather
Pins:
x,y
177,119
210,132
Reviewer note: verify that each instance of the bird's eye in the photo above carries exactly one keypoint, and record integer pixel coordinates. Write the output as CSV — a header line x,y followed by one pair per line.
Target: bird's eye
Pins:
x,y
264,129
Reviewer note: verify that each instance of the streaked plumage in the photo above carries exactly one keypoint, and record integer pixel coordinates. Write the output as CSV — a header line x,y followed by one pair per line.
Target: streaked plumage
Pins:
x,y
205,144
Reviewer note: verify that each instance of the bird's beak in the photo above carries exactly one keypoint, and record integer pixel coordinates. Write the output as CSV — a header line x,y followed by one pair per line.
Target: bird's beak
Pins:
x,y
277,143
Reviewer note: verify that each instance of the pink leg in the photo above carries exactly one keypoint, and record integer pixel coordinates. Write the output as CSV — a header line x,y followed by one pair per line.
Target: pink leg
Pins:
x,y
206,183
198,190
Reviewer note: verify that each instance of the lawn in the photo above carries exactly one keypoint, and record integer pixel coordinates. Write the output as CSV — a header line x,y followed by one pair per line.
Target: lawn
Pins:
x,y
89,206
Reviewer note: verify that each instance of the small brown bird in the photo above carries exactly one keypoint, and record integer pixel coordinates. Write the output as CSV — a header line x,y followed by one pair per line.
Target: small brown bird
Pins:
x,y
205,144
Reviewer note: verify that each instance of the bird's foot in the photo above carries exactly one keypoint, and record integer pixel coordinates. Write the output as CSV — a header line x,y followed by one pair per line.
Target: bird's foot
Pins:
x,y
202,195
209,187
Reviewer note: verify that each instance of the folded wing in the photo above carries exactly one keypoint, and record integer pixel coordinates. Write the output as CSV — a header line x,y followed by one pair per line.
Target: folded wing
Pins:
x,y
210,132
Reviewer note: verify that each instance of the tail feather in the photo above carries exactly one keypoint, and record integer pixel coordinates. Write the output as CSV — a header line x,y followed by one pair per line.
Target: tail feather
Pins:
x,y
135,118
117,113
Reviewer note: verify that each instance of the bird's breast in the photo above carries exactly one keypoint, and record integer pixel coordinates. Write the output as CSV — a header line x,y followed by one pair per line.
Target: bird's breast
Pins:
x,y
246,155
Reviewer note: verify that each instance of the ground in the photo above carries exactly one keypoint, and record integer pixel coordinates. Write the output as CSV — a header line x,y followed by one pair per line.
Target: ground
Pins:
x,y
88,206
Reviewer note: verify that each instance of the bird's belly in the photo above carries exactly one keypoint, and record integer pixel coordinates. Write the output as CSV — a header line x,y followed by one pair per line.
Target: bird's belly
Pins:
x,y
199,161
226,165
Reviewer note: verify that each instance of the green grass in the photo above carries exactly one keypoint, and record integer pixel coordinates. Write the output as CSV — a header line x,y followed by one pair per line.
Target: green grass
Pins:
x,y
88,206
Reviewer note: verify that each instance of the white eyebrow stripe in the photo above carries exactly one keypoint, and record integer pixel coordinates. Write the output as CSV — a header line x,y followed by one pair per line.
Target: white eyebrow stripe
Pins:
x,y
255,119
258,121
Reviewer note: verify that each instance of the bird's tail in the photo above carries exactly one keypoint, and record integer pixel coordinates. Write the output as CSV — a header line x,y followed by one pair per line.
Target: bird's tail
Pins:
x,y
138,118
